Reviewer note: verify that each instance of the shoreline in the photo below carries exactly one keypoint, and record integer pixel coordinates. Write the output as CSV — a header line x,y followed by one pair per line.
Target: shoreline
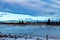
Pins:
x,y
19,24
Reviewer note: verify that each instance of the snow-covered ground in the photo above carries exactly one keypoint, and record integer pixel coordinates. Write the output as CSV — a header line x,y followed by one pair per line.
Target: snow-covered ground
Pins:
x,y
27,39
32,30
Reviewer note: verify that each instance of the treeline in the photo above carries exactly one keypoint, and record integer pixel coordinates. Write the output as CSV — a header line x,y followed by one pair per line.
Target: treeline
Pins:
x,y
48,22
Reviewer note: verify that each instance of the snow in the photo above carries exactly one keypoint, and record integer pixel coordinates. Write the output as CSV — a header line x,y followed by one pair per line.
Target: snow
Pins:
x,y
34,31
5,16
26,39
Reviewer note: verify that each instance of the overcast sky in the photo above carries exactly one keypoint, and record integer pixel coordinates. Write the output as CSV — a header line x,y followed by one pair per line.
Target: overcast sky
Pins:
x,y
31,7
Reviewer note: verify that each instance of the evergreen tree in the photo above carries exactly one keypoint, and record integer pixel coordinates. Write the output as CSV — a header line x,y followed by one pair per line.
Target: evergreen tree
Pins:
x,y
48,22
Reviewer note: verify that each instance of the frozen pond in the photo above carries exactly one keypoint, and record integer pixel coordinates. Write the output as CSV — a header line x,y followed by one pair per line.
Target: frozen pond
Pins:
x,y
32,30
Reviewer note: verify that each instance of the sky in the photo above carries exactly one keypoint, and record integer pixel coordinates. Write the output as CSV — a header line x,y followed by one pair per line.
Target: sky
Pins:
x,y
31,7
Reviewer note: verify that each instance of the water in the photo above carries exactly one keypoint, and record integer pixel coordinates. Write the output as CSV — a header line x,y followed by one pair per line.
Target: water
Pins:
x,y
32,30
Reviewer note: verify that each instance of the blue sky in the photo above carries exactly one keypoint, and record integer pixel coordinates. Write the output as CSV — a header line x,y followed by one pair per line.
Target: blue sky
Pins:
x,y
31,7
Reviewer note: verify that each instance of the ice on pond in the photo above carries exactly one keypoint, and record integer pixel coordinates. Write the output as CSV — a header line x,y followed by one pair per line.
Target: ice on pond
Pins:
x,y
31,30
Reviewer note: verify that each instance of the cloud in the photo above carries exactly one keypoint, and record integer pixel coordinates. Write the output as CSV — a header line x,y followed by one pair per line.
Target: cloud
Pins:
x,y
42,7
27,3
56,1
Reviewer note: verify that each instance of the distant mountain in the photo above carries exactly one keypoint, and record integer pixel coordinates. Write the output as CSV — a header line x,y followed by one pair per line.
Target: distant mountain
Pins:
x,y
10,17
